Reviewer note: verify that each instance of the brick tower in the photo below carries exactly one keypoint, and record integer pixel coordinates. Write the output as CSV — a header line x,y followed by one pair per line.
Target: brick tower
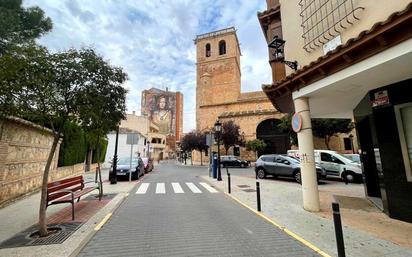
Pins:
x,y
218,74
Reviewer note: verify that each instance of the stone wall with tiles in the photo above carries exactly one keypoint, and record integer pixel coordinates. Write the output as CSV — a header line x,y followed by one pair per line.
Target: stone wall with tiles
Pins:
x,y
24,147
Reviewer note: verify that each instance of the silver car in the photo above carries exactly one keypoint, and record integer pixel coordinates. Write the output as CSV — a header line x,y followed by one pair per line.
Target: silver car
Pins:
x,y
282,166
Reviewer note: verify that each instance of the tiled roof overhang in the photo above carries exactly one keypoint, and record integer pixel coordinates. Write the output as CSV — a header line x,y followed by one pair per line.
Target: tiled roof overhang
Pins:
x,y
383,35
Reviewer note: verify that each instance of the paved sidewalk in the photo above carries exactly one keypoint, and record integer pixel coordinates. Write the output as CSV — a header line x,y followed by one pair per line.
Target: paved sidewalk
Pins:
x,y
23,213
282,202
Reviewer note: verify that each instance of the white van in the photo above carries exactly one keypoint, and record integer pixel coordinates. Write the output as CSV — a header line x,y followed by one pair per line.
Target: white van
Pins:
x,y
335,164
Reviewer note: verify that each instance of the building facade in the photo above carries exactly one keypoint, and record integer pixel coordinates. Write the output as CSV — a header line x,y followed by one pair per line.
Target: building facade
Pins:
x,y
354,61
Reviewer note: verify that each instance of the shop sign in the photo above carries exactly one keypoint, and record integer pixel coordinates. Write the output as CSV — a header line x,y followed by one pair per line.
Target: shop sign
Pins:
x,y
380,98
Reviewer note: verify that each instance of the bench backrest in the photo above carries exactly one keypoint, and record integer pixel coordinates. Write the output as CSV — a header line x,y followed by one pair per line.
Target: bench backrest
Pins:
x,y
73,184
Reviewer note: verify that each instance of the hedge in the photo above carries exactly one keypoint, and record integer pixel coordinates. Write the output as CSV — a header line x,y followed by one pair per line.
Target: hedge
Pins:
x,y
74,147
103,148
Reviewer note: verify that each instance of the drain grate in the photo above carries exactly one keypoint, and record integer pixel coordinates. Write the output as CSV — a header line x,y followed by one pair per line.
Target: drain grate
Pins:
x,y
23,238
243,186
96,196
249,190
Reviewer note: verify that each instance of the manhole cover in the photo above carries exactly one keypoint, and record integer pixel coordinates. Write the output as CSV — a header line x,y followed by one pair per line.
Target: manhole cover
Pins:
x,y
23,238
105,196
243,186
249,190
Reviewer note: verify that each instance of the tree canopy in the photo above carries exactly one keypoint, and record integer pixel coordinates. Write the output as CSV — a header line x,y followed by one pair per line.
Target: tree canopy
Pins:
x,y
230,135
255,145
19,25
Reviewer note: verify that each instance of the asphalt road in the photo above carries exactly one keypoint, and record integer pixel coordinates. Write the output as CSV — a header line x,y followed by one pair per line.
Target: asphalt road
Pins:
x,y
174,213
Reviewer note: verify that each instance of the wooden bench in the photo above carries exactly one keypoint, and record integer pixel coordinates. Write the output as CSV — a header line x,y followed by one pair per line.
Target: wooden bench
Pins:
x,y
67,190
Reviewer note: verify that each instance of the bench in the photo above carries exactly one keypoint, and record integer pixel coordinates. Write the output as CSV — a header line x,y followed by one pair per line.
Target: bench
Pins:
x,y
67,190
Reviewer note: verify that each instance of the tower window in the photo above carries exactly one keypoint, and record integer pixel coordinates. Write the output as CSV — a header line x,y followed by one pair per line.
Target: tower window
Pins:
x,y
222,47
208,52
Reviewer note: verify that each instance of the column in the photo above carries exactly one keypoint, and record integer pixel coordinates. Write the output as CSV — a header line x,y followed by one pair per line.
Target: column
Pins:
x,y
306,150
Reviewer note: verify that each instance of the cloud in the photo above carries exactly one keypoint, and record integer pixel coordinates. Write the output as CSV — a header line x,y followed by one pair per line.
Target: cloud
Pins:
x,y
153,40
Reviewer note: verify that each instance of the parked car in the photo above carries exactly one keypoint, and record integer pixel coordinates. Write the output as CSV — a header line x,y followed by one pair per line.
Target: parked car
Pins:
x,y
335,164
283,166
123,167
148,164
233,161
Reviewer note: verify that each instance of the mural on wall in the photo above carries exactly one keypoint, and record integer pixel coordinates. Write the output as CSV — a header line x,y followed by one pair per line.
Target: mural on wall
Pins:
x,y
160,107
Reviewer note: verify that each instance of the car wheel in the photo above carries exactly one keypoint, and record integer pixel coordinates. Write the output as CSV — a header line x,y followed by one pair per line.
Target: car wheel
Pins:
x,y
242,165
348,176
261,173
297,176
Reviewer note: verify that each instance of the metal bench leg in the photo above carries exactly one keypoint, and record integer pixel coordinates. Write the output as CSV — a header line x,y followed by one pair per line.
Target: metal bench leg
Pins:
x,y
72,210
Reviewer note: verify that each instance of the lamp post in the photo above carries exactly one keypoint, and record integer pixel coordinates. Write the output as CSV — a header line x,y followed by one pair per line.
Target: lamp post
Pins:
x,y
218,129
113,177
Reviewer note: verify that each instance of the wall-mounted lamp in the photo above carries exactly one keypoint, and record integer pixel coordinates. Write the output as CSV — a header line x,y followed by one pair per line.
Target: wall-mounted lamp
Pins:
x,y
277,44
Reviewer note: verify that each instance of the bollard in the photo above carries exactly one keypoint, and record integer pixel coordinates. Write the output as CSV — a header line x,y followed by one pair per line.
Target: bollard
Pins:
x,y
228,182
258,195
338,230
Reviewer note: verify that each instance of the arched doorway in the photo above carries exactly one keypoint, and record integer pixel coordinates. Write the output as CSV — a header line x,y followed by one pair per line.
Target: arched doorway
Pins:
x,y
276,141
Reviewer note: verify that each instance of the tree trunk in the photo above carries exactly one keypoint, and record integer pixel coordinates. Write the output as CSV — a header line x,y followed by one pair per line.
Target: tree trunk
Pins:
x,y
201,159
43,200
98,166
226,149
191,158
327,142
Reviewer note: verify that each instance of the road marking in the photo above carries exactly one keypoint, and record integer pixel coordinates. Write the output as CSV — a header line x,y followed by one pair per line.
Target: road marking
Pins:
x,y
208,188
160,188
142,189
287,231
194,188
177,188
104,220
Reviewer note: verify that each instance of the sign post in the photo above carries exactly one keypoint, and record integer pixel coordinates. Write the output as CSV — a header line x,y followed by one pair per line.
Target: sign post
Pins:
x,y
131,140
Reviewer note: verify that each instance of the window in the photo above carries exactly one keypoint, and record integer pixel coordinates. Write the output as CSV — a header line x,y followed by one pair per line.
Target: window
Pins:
x,y
268,159
326,157
208,52
403,114
222,47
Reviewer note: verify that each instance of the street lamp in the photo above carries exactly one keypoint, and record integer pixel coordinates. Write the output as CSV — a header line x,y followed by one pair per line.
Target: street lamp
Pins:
x,y
218,130
113,175
277,44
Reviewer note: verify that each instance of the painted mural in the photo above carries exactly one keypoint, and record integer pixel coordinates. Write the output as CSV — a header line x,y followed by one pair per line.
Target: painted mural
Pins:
x,y
160,107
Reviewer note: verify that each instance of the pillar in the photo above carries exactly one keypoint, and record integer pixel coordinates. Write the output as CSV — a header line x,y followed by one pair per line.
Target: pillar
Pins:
x,y
307,156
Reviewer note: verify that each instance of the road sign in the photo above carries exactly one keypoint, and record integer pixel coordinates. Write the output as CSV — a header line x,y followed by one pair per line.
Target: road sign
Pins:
x,y
132,139
296,122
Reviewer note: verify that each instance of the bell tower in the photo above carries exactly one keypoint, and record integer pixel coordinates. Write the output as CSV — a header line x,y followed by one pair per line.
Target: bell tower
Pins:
x,y
217,71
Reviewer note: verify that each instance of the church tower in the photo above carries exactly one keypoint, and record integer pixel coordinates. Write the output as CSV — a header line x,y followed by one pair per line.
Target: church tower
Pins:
x,y
218,73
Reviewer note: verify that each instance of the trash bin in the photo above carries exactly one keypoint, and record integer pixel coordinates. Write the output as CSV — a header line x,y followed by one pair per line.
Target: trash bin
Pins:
x,y
214,165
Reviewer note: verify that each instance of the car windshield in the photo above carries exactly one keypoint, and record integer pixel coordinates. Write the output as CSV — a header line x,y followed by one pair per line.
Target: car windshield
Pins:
x,y
126,162
291,159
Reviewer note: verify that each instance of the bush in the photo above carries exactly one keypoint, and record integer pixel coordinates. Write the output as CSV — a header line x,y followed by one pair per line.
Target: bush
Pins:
x,y
73,148
103,148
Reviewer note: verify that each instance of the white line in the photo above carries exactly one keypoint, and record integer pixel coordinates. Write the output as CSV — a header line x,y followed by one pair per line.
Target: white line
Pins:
x,y
208,188
160,188
142,189
177,188
194,188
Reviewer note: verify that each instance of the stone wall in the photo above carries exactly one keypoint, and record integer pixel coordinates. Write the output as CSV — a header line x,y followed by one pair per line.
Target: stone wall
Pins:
x,y
24,148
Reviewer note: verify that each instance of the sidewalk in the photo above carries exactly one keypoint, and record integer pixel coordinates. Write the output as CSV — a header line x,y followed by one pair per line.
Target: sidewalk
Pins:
x,y
282,202
23,213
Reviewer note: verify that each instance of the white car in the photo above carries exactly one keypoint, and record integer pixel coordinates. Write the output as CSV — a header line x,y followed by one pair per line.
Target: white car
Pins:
x,y
335,164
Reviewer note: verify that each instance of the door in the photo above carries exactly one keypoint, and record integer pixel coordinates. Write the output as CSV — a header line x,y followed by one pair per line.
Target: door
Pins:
x,y
330,164
283,168
270,165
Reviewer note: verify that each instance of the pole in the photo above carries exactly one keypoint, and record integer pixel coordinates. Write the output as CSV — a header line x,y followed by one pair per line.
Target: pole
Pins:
x,y
258,195
219,174
228,183
131,156
113,178
338,230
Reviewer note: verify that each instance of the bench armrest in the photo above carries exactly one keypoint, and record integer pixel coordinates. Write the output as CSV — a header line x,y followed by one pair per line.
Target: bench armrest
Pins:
x,y
62,191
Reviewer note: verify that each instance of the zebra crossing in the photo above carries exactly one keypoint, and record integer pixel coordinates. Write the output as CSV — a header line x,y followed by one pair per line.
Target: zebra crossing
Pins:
x,y
177,188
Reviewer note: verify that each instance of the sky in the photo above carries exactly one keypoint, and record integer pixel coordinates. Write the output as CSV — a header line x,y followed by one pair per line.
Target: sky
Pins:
x,y
153,40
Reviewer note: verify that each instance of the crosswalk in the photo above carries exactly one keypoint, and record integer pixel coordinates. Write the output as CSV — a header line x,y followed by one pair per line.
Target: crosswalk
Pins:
x,y
160,188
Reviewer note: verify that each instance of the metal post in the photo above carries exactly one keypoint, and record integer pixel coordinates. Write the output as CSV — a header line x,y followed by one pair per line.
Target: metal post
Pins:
x,y
258,195
219,174
338,230
113,177
228,180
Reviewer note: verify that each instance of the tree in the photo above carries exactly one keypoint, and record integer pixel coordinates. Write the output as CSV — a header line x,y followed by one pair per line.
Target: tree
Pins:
x,y
55,89
255,145
20,25
230,135
327,128
285,126
200,144
188,143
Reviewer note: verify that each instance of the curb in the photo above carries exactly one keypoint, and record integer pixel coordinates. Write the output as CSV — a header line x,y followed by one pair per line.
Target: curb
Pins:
x,y
284,229
106,218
